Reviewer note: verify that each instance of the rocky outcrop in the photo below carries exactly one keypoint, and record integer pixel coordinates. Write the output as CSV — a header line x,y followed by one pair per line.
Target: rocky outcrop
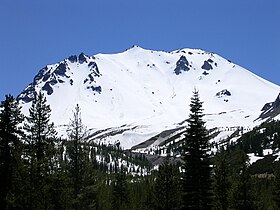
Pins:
x,y
182,65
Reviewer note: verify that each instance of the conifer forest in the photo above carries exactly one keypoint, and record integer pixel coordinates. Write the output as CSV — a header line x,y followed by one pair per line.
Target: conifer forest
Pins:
x,y
39,170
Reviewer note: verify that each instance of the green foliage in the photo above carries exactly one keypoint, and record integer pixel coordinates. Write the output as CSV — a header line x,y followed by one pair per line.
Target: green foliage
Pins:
x,y
79,165
120,192
197,186
276,188
167,187
40,132
241,193
221,180
265,136
10,149
40,171
263,166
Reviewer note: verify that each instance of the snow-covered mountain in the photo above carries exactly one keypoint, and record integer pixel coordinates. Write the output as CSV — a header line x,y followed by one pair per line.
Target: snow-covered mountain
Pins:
x,y
136,94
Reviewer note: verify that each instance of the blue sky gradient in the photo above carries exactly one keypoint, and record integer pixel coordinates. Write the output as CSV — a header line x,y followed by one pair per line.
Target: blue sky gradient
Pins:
x,y
36,33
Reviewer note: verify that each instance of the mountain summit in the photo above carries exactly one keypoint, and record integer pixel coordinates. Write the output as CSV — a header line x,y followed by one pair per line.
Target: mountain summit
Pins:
x,y
133,95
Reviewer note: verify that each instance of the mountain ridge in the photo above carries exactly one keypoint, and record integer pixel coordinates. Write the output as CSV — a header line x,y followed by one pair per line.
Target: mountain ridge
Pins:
x,y
148,91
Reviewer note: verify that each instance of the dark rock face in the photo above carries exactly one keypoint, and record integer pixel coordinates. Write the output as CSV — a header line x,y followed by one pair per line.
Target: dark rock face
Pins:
x,y
52,75
207,66
94,72
47,87
210,60
222,93
49,78
271,109
95,89
28,94
46,76
94,69
42,74
60,81
91,78
267,106
61,69
73,58
277,102
273,105
82,58
182,65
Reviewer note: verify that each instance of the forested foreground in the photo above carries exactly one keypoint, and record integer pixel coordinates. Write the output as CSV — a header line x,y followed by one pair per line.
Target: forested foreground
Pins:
x,y
38,170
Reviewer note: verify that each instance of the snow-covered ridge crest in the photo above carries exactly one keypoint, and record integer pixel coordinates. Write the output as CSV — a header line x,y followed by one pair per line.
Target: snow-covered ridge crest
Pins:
x,y
148,91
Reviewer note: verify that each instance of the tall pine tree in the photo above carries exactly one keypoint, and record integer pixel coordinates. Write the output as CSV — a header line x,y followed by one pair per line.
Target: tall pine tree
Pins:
x,y
196,180
120,191
41,136
276,184
10,154
242,196
80,164
167,187
221,178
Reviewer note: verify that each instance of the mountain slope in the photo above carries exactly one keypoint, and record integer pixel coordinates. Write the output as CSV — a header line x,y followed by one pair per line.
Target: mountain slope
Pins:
x,y
134,95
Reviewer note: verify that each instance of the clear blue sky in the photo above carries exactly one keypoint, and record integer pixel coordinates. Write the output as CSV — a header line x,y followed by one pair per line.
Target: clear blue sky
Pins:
x,y
36,33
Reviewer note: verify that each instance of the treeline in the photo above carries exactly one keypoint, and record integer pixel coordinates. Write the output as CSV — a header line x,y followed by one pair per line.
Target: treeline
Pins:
x,y
265,136
40,171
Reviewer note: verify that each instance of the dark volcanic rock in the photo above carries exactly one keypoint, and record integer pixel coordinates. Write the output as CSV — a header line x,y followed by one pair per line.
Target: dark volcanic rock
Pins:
x,y
47,87
61,81
73,58
94,69
267,106
210,60
222,93
91,78
28,94
95,89
271,109
182,65
61,69
42,74
207,65
46,76
82,58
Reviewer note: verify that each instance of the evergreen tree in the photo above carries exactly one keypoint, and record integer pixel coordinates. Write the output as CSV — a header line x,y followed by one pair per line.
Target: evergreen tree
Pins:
x,y
222,182
41,137
41,134
150,200
80,166
242,195
196,182
167,187
276,185
10,148
120,192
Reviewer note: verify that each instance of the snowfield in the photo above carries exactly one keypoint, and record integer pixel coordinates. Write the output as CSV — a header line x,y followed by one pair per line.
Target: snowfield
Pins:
x,y
138,93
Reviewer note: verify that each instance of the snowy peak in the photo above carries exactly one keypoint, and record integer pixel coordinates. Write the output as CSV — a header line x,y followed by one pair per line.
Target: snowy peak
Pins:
x,y
81,58
149,91
51,76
